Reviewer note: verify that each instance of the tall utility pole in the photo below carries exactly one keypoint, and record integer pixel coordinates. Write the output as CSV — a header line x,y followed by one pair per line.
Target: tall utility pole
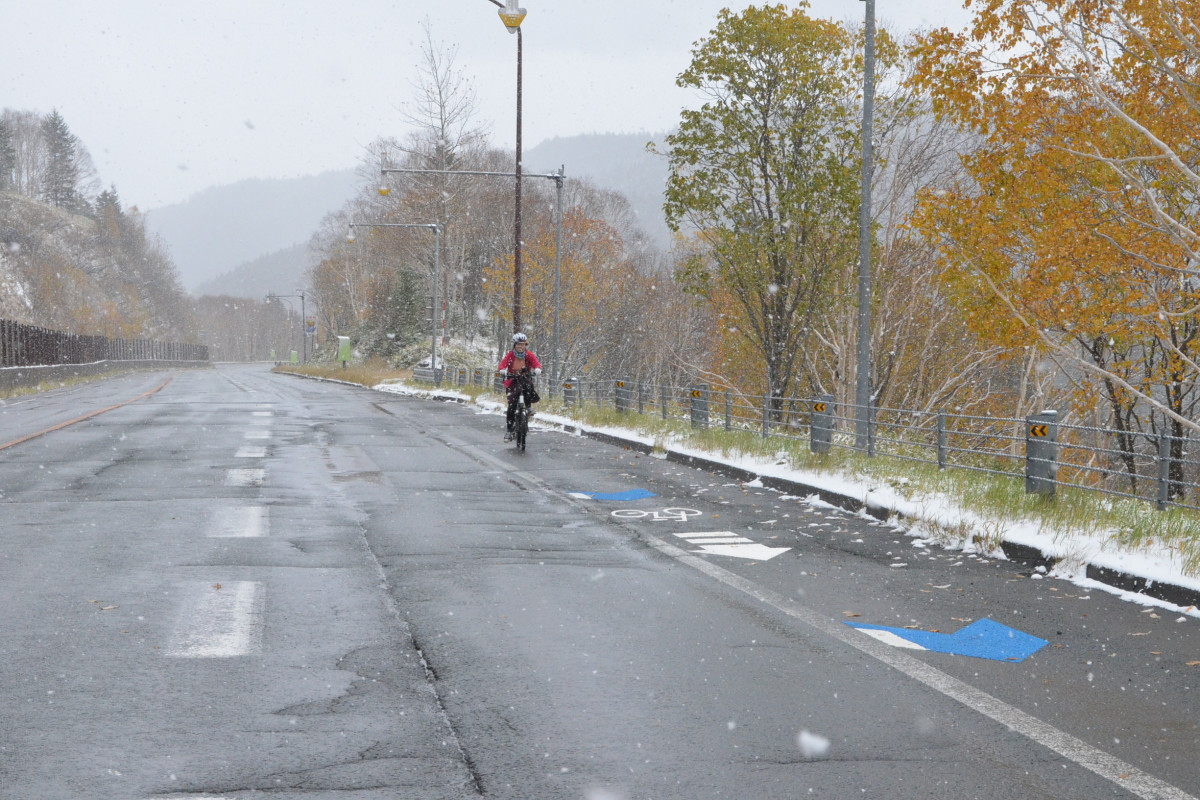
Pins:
x,y
862,383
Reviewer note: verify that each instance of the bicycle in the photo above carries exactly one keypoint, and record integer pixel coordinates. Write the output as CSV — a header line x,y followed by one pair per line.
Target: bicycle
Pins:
x,y
521,416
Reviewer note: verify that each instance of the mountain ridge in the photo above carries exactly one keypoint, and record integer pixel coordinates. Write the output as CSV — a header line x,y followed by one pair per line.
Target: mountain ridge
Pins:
x,y
250,237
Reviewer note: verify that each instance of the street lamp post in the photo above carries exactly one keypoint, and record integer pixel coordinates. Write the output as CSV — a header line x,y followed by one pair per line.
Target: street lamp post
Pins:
x,y
862,385
437,246
512,17
559,178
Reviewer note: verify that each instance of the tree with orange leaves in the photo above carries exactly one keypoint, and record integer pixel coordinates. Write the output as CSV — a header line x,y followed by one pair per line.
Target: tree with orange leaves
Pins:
x,y
1078,229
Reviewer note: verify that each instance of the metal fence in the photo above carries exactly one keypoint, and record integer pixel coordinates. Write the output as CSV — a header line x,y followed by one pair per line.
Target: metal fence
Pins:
x,y
28,345
1152,466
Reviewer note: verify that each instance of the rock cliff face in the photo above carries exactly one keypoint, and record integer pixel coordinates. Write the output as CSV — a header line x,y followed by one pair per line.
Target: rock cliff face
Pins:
x,y
75,273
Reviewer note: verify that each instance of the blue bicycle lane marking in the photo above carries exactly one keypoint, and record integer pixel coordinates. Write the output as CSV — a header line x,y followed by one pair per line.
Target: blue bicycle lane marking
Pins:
x,y
983,638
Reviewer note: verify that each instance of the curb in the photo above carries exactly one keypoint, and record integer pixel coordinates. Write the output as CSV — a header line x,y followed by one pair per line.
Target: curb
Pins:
x,y
1023,554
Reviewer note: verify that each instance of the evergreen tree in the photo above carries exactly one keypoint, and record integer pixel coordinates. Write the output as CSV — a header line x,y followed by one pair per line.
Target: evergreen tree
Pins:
x,y
8,158
60,181
109,214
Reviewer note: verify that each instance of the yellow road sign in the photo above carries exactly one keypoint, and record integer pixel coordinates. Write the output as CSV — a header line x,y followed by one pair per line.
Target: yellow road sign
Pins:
x,y
819,407
1039,431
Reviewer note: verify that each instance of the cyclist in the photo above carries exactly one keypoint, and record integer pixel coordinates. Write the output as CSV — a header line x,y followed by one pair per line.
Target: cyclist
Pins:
x,y
519,360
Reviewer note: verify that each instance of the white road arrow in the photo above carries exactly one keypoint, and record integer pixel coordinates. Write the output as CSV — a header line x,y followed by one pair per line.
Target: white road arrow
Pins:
x,y
755,551
728,543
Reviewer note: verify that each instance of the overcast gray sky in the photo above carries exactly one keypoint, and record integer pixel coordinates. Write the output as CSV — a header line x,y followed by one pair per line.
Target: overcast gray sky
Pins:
x,y
174,97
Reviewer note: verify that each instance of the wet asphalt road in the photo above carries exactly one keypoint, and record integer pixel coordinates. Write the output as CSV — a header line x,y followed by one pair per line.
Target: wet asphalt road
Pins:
x,y
253,585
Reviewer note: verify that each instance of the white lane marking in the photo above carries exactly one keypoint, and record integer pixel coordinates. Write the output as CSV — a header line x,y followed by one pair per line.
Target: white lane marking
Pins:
x,y
263,413
239,522
220,623
245,477
1109,767
257,435
250,451
891,639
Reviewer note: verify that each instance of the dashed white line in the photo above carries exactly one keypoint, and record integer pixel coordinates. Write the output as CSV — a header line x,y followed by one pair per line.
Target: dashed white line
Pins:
x,y
220,621
239,522
245,477
250,451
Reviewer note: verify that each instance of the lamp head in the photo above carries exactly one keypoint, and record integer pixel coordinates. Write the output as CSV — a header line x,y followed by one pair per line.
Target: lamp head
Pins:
x,y
512,16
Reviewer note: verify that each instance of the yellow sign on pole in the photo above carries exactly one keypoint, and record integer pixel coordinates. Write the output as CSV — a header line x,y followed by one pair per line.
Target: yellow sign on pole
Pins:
x,y
1039,430
819,408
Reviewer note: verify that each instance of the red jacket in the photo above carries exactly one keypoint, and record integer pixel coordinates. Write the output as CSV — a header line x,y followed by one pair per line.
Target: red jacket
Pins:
x,y
511,365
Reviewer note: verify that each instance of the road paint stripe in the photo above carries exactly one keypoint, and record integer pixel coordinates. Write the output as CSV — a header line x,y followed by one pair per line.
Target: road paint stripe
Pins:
x,y
62,425
239,522
249,451
1109,767
223,622
245,477
257,435
262,413
889,638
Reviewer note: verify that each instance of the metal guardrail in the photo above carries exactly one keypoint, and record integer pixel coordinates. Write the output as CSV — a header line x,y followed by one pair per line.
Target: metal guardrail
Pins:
x,y
28,345
1150,466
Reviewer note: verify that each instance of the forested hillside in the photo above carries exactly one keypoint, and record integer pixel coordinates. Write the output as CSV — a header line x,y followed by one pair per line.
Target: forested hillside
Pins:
x,y
74,258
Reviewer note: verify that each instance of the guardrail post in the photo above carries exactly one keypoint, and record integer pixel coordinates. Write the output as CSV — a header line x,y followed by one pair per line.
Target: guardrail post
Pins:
x,y
728,412
941,439
699,406
1164,471
664,400
1041,453
822,424
570,392
641,390
766,417
870,429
